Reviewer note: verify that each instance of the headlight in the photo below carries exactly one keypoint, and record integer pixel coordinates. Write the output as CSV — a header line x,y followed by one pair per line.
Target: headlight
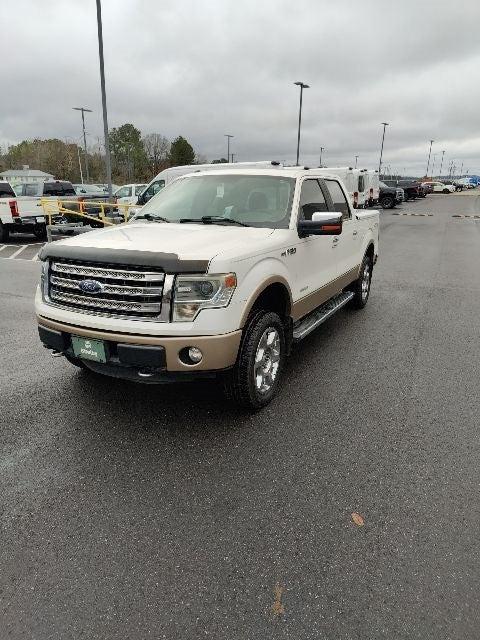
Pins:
x,y
194,293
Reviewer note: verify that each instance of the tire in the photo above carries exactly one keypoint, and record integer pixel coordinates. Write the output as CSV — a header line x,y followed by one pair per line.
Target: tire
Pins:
x,y
446,191
40,231
361,286
4,233
241,384
387,202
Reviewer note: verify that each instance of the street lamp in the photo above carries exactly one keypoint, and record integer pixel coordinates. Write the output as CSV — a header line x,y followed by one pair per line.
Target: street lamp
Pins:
x,y
104,98
228,136
433,164
441,163
302,86
83,110
356,158
385,125
429,154
322,149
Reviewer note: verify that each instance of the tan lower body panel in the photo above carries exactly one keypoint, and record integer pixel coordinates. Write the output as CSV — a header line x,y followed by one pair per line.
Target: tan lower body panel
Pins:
x,y
307,304
219,352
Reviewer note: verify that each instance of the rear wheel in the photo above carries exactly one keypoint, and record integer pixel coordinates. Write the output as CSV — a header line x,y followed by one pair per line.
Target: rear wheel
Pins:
x,y
387,202
361,286
40,231
254,379
4,233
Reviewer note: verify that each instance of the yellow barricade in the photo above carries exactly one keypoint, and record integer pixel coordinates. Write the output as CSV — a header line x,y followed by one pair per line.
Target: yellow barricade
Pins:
x,y
57,206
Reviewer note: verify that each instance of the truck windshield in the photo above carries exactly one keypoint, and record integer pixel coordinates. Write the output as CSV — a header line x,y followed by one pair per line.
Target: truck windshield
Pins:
x,y
253,200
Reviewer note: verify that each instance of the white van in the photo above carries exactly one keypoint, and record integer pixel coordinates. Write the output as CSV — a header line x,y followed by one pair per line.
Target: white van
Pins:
x,y
355,181
169,175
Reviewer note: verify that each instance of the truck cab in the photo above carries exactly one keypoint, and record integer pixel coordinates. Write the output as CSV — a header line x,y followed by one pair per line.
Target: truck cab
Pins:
x,y
218,275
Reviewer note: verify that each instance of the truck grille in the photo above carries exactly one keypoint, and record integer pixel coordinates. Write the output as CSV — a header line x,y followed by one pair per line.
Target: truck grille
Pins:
x,y
133,292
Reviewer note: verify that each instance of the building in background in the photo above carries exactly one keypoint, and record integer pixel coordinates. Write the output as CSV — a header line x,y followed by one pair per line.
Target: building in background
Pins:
x,y
25,174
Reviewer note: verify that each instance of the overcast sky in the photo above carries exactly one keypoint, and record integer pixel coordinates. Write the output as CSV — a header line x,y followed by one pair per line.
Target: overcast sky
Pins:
x,y
203,68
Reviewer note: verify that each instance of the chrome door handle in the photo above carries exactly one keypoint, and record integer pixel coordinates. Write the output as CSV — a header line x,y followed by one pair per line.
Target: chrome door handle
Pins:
x,y
355,233
335,240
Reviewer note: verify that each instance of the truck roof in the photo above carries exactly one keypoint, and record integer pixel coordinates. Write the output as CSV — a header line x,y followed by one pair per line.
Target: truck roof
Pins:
x,y
283,172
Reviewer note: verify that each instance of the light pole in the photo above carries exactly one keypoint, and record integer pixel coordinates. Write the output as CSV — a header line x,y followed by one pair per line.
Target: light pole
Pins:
x,y
104,98
441,163
83,110
356,158
322,149
385,125
429,153
228,136
302,86
433,164
461,170
233,156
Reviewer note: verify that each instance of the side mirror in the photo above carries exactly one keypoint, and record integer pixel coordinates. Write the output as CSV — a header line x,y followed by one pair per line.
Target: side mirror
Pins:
x,y
321,224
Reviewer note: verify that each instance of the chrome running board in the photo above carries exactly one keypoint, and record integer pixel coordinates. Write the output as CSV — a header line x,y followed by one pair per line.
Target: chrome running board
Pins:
x,y
303,327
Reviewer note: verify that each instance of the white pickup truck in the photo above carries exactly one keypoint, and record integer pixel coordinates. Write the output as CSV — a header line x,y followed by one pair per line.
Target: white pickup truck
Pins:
x,y
24,213
217,275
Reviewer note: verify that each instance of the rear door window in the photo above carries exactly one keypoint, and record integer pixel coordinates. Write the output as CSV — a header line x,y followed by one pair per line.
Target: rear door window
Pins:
x,y
338,198
6,190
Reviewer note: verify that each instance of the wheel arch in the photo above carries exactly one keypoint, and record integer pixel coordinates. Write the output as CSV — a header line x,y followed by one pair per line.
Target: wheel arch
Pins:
x,y
273,294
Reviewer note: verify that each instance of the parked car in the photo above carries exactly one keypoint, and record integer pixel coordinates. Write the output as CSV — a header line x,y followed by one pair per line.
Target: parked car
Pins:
x,y
411,188
440,187
459,186
216,277
23,213
128,194
389,196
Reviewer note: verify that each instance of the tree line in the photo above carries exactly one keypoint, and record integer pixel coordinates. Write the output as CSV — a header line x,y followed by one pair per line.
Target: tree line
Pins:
x,y
135,158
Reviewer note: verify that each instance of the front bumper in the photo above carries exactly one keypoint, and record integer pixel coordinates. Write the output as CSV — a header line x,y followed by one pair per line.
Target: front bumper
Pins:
x,y
129,354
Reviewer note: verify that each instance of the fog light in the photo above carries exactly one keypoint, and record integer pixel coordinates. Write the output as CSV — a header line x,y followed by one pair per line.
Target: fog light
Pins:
x,y
195,355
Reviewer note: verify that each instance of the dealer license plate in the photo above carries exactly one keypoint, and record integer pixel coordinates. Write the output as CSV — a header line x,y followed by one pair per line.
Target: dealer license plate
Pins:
x,y
89,349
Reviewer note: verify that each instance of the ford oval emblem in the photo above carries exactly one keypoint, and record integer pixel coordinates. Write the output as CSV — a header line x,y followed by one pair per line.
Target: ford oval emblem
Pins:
x,y
90,286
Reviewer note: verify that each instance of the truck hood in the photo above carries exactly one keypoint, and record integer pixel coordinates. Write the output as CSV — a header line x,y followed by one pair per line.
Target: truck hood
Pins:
x,y
186,242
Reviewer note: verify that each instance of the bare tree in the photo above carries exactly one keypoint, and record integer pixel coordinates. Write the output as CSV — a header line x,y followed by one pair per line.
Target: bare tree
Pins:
x,y
157,148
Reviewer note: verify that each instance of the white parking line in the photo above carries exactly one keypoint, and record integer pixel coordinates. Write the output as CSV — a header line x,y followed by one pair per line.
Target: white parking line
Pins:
x,y
22,248
3,247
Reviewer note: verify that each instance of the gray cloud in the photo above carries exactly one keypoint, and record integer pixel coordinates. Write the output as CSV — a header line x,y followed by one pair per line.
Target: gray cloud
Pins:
x,y
202,69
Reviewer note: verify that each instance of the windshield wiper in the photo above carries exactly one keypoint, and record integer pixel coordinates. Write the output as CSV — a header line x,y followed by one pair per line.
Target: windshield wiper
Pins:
x,y
151,217
214,220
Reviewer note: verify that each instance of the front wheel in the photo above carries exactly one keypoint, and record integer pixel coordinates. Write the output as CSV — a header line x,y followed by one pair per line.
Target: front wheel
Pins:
x,y
446,191
253,381
361,286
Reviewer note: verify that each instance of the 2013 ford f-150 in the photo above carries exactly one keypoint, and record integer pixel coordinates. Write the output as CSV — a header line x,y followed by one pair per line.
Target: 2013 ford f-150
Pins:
x,y
217,275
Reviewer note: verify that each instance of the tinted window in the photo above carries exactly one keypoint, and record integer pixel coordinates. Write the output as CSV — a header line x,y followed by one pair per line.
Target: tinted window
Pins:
x,y
312,199
361,183
6,190
52,189
139,188
338,198
68,189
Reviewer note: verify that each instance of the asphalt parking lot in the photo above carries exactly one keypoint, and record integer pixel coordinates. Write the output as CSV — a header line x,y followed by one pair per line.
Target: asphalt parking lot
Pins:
x,y
133,511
